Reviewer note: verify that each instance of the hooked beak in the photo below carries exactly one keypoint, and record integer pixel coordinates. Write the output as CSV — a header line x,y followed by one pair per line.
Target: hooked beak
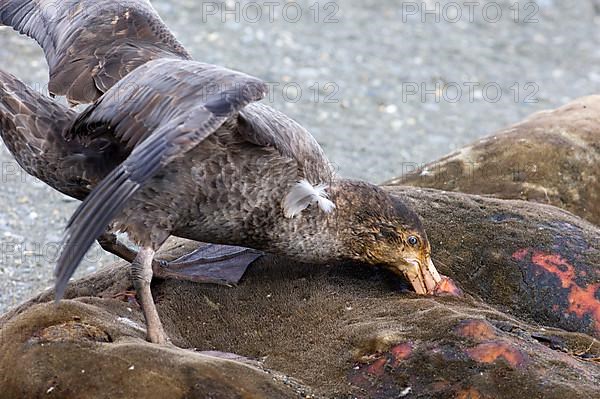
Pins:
x,y
422,274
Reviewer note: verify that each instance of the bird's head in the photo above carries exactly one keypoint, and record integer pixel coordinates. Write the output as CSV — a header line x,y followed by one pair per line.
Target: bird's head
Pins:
x,y
380,229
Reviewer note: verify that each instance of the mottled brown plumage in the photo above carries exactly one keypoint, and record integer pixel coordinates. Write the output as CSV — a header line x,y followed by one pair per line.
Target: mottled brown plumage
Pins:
x,y
186,150
33,127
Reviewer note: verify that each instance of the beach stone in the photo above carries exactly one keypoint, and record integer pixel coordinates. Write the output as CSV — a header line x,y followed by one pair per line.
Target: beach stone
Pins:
x,y
339,331
553,157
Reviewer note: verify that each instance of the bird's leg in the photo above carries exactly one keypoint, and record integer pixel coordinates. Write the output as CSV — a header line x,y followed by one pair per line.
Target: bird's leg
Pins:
x,y
110,243
141,273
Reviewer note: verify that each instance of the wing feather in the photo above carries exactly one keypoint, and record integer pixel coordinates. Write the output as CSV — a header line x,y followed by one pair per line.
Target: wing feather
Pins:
x,y
92,44
265,126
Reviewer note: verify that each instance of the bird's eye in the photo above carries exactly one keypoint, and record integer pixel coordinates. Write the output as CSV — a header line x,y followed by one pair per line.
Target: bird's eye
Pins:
x,y
413,241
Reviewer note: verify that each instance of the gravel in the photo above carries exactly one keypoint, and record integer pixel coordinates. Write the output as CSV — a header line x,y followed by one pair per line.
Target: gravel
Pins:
x,y
379,88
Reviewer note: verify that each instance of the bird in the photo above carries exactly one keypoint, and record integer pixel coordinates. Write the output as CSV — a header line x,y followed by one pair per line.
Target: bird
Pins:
x,y
170,146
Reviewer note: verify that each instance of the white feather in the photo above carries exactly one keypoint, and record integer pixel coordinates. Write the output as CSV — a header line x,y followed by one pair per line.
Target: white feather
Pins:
x,y
304,194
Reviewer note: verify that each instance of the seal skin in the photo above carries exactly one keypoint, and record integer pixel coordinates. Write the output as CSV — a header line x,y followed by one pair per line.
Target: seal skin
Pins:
x,y
553,158
529,272
341,331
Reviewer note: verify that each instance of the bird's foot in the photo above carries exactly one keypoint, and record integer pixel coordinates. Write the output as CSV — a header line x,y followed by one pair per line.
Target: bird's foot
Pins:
x,y
156,335
211,264
154,331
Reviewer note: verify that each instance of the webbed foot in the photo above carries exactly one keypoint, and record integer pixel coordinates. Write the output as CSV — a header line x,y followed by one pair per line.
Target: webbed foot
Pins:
x,y
211,263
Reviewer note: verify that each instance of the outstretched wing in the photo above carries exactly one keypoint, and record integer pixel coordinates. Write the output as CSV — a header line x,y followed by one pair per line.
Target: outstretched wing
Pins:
x,y
161,110
92,44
